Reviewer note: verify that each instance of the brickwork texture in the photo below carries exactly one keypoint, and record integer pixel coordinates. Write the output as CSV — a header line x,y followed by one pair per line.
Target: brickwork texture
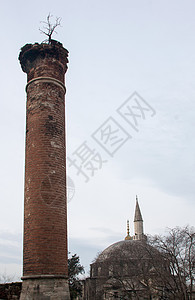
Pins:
x,y
45,208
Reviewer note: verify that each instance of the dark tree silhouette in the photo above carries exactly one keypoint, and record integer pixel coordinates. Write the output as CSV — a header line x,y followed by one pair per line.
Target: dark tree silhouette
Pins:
x,y
74,269
49,28
178,249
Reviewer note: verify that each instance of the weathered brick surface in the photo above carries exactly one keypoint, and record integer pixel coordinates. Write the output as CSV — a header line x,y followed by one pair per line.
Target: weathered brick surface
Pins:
x,y
45,214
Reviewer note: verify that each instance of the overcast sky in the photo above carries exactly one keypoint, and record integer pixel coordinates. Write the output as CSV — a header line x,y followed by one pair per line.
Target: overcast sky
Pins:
x,y
115,48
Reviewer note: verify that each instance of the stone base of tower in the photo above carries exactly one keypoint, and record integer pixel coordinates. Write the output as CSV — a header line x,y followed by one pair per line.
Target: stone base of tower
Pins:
x,y
45,288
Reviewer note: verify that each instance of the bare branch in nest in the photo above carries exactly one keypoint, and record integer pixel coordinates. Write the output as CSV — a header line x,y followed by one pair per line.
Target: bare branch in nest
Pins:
x,y
49,28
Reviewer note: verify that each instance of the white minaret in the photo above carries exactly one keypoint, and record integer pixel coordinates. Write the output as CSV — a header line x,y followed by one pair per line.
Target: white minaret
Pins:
x,y
138,223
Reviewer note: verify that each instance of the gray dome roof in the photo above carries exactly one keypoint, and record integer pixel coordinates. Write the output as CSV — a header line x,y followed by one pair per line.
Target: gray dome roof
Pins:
x,y
127,249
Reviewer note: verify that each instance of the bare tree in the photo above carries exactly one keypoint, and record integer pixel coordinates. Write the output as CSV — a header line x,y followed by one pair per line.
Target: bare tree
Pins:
x,y
178,250
49,28
4,277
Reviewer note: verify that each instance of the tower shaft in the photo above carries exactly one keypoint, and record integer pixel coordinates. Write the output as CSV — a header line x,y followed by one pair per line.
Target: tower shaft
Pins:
x,y
45,263
138,223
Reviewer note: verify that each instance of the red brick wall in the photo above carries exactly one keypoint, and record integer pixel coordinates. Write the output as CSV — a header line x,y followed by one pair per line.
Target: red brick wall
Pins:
x,y
45,212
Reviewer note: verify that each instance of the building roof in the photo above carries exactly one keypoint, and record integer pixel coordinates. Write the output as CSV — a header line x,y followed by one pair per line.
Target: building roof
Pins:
x,y
127,249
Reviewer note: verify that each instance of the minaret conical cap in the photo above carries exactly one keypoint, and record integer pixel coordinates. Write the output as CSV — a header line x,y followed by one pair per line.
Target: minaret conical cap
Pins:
x,y
138,215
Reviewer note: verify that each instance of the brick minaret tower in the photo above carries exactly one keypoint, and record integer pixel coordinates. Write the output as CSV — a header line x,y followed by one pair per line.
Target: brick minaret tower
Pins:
x,y
45,270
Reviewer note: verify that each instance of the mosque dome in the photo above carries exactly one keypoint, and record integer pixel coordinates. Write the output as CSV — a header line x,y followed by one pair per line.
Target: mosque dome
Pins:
x,y
123,258
123,267
127,249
